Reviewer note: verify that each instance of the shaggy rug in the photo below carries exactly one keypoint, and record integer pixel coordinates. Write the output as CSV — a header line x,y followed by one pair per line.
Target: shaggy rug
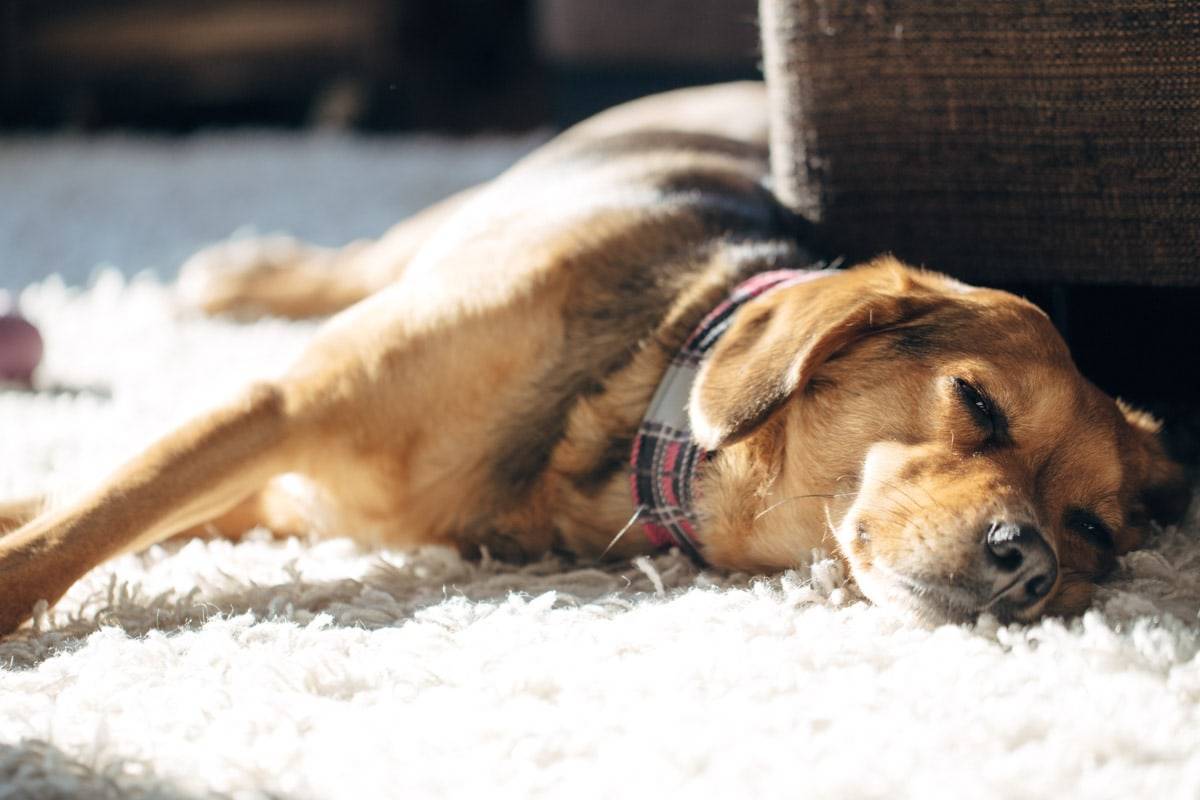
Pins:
x,y
319,669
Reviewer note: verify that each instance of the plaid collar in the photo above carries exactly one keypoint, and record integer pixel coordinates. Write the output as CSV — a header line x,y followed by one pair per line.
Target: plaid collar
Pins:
x,y
665,458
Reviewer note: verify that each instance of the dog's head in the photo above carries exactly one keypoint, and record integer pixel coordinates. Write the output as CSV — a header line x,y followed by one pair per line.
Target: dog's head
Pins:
x,y
967,465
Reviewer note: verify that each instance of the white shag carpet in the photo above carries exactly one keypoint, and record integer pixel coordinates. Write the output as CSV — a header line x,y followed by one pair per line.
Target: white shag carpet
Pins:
x,y
298,669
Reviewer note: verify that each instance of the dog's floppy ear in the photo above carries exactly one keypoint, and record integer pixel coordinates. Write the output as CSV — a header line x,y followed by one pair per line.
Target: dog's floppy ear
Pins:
x,y
1160,485
776,342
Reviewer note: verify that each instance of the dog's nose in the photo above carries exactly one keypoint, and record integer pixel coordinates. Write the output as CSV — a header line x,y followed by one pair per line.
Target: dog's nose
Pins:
x,y
1020,563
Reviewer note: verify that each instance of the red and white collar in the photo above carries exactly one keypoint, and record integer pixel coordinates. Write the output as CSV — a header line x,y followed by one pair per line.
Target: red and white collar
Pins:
x,y
665,457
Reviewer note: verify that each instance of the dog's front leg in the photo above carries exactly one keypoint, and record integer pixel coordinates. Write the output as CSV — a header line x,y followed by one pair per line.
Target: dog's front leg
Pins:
x,y
193,474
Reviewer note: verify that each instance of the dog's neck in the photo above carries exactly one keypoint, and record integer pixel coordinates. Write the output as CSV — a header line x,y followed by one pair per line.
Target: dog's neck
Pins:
x,y
665,458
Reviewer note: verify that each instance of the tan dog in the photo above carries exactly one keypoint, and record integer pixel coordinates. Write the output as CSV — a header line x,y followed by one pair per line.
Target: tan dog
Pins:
x,y
487,389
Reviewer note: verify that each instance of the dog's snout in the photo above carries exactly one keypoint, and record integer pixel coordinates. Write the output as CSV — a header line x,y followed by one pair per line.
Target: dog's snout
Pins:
x,y
1020,563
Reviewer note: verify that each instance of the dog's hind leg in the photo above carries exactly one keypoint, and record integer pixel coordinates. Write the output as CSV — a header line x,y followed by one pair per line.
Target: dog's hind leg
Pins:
x,y
196,473
282,276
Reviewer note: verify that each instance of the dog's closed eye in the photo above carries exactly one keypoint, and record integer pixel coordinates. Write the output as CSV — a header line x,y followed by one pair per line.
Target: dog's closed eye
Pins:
x,y
1088,526
983,410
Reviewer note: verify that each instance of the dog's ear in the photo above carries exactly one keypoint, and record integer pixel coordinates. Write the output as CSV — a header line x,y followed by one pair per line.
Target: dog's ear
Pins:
x,y
1160,487
776,342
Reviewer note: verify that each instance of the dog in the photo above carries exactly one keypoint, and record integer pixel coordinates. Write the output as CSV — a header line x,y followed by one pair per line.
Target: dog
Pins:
x,y
623,344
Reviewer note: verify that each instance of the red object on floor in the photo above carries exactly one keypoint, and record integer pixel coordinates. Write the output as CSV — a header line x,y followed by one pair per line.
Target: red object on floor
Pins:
x,y
20,349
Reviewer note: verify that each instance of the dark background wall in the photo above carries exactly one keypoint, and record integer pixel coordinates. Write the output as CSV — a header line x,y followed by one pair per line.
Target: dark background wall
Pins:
x,y
444,65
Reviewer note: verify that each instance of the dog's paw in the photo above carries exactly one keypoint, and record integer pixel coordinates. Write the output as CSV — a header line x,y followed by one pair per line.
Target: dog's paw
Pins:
x,y
18,590
222,277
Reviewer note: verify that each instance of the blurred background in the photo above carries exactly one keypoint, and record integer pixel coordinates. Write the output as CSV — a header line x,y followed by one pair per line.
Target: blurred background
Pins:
x,y
374,65
133,132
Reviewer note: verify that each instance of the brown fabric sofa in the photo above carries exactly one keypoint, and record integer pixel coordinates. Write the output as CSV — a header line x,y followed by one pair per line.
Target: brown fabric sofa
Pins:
x,y
1008,142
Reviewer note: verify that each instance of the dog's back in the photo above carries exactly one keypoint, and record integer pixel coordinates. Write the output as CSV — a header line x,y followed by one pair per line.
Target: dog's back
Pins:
x,y
547,307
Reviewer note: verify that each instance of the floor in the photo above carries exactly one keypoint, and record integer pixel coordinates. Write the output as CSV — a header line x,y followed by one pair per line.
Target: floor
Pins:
x,y
69,205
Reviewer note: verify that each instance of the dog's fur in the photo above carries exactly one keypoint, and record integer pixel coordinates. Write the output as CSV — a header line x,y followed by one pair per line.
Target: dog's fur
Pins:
x,y
501,348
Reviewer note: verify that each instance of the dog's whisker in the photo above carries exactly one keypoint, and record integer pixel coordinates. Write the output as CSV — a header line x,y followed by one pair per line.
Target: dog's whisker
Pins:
x,y
832,527
899,517
929,494
823,495
898,504
636,513
917,507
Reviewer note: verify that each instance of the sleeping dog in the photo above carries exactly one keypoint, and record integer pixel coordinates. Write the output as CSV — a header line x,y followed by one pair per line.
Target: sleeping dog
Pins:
x,y
622,345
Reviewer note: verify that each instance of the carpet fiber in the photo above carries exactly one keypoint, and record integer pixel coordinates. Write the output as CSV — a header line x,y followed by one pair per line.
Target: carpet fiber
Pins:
x,y
319,669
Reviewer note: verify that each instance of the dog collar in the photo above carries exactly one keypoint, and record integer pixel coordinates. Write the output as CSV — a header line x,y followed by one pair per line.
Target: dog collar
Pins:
x,y
665,457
